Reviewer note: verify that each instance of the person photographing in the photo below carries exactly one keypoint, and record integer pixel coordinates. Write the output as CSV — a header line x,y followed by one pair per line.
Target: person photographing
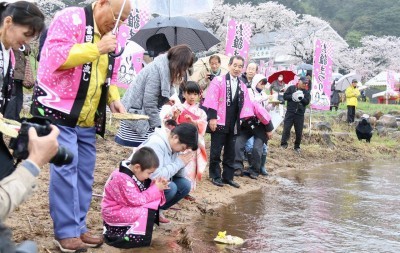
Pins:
x,y
20,23
297,97
16,187
17,183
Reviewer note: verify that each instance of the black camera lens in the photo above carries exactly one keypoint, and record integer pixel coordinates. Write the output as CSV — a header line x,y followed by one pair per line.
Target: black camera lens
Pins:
x,y
42,127
63,156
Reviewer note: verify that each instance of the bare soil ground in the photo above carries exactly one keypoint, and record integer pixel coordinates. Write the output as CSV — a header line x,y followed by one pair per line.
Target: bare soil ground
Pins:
x,y
32,220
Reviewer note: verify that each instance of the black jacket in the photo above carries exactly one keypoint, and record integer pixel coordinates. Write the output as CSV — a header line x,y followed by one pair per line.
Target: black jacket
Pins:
x,y
257,128
42,39
244,79
364,126
298,108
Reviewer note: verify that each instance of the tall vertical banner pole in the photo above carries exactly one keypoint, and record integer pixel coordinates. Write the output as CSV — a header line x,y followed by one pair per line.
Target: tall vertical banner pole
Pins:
x,y
309,124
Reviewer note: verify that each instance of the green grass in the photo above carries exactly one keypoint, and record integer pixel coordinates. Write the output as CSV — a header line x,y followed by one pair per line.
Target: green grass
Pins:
x,y
365,107
371,108
385,141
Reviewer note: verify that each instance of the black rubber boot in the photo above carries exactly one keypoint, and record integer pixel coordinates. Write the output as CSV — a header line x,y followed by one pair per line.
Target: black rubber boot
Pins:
x,y
249,158
263,170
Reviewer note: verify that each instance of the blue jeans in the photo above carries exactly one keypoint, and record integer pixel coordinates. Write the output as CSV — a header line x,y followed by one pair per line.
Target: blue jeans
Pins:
x,y
179,188
70,190
249,146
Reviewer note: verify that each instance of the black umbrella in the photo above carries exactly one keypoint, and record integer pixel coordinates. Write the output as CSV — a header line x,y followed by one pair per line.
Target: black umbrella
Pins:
x,y
177,30
157,44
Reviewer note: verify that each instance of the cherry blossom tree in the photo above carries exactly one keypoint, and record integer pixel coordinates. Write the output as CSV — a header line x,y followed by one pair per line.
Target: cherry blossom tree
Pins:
x,y
264,18
298,40
50,7
296,33
376,54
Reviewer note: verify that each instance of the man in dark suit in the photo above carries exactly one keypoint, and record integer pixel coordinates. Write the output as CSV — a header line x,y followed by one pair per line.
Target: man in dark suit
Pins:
x,y
227,101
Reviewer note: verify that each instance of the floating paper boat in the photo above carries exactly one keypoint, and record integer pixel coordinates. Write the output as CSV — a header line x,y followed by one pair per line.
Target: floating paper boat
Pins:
x,y
228,239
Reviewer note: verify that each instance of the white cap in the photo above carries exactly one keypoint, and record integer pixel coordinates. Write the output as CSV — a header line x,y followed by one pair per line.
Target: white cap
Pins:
x,y
365,116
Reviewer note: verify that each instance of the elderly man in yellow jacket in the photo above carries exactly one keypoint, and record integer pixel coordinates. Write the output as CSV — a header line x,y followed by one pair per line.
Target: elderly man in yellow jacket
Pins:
x,y
352,93
74,85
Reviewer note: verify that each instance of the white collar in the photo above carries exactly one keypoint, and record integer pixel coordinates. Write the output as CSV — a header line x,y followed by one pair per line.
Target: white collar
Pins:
x,y
5,50
233,78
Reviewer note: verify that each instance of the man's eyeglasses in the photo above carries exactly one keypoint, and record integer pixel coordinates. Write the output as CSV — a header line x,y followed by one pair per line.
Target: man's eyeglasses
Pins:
x,y
113,15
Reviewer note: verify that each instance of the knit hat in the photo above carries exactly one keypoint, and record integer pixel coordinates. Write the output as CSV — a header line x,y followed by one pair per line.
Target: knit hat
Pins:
x,y
256,79
303,79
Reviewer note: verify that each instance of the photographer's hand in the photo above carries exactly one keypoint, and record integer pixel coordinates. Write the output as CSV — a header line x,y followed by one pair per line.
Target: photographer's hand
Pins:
x,y
42,149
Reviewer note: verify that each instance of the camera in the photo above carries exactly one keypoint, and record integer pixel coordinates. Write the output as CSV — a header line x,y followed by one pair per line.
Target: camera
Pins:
x,y
42,127
211,76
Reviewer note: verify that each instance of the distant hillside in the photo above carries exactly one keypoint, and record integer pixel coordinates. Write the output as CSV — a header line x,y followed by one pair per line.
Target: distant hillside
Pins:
x,y
352,19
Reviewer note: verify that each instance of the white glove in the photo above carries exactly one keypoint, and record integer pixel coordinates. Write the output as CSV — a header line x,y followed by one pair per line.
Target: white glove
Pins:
x,y
294,97
301,95
297,96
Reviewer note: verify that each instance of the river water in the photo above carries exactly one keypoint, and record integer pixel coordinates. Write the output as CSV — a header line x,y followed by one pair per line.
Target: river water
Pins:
x,y
346,207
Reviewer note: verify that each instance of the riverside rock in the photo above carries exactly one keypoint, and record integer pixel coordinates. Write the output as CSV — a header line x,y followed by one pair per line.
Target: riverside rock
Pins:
x,y
387,121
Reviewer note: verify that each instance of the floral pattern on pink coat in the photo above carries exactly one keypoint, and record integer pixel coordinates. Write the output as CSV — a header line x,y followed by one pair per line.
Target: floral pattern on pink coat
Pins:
x,y
61,86
124,204
197,166
216,99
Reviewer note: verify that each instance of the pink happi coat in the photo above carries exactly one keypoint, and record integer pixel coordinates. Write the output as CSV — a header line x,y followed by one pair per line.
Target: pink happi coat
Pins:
x,y
124,204
197,166
62,86
216,99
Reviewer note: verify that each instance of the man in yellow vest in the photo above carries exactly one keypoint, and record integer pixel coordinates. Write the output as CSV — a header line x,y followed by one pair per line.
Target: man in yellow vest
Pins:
x,y
352,93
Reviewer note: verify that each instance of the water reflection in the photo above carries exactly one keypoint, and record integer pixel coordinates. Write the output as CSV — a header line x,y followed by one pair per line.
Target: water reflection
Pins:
x,y
347,207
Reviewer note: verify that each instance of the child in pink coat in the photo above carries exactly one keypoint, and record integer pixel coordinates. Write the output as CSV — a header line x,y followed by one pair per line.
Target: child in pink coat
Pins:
x,y
130,203
190,112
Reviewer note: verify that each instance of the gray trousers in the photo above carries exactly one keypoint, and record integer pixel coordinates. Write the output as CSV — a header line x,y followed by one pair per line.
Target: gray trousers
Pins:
x,y
240,149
